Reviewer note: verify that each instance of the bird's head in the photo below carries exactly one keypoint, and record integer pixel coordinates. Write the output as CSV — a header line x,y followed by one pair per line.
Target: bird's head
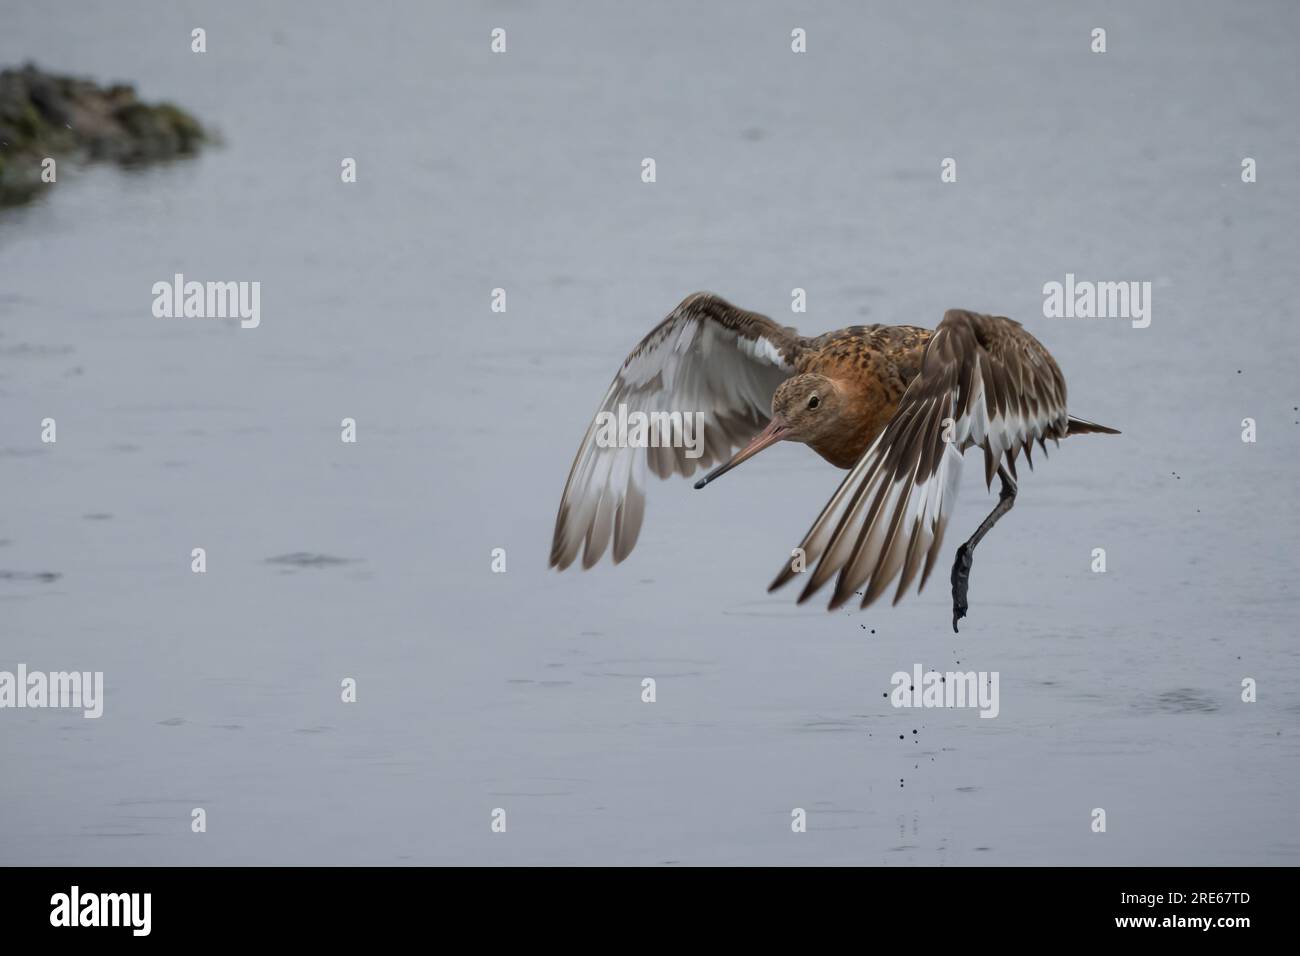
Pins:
x,y
807,406
804,409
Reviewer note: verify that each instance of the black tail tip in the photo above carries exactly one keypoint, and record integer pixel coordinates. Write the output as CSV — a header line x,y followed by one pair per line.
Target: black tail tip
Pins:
x,y
1081,426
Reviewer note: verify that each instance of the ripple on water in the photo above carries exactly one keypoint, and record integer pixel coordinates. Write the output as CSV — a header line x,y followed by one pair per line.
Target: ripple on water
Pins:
x,y
42,577
308,559
1180,700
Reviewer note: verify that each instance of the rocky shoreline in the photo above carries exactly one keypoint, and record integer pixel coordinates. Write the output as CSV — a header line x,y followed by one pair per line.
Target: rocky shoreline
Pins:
x,y
47,115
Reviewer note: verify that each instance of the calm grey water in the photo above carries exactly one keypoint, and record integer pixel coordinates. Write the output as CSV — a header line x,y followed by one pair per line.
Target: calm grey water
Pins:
x,y
522,690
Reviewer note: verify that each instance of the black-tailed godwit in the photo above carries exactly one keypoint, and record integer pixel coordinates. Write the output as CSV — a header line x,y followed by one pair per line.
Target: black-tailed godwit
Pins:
x,y
896,405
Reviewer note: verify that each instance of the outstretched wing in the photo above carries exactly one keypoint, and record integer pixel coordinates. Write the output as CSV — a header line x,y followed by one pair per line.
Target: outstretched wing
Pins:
x,y
706,357
983,381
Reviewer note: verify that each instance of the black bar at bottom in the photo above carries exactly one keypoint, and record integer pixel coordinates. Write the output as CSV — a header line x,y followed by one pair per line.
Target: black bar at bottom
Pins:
x,y
376,904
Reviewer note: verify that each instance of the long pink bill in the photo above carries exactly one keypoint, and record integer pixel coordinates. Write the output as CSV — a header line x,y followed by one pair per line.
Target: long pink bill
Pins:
x,y
773,433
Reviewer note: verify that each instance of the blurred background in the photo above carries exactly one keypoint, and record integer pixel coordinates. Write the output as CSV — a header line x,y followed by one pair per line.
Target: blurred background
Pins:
x,y
522,690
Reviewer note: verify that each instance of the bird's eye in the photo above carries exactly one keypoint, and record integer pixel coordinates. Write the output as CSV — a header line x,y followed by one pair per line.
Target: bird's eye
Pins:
x,y
814,402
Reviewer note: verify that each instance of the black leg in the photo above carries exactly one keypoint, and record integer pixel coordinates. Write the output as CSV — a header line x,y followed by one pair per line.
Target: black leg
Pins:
x,y
961,566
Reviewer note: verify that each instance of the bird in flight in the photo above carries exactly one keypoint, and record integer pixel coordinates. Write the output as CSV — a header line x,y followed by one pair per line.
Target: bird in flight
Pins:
x,y
895,405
